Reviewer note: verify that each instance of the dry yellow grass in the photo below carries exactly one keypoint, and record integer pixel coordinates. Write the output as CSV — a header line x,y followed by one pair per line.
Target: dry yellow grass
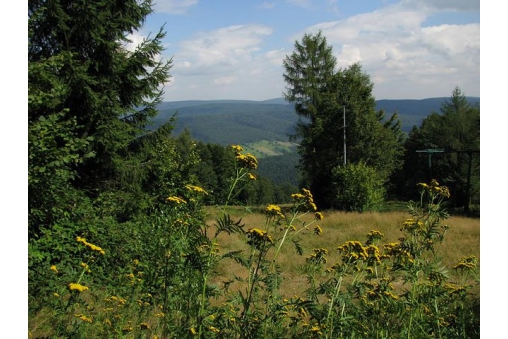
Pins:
x,y
461,240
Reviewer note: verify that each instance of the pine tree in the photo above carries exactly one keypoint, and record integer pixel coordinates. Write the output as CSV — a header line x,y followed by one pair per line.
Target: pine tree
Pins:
x,y
97,94
321,95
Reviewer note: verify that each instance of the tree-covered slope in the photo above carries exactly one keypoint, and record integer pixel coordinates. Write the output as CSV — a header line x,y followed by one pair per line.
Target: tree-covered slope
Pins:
x,y
243,121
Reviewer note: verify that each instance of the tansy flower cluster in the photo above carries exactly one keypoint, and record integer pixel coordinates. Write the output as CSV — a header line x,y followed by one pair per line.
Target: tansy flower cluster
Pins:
x,y
176,200
435,188
467,263
247,161
196,189
412,226
372,236
318,230
77,287
353,251
244,160
83,317
318,257
258,237
274,211
91,246
304,200
397,250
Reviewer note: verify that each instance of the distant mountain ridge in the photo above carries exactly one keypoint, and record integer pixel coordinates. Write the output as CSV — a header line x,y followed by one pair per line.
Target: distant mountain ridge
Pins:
x,y
247,121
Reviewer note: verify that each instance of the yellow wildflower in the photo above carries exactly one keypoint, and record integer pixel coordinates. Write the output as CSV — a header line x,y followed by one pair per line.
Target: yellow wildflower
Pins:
x,y
176,199
237,148
316,329
77,287
274,210
318,230
247,160
257,235
196,189
297,196
89,245
319,215
193,331
53,268
252,176
83,317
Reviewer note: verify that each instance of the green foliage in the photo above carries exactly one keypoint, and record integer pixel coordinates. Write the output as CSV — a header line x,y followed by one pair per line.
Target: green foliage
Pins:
x,y
322,96
106,91
457,132
281,168
357,187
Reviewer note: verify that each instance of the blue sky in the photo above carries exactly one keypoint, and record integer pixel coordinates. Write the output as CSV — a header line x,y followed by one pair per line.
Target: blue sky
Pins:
x,y
230,49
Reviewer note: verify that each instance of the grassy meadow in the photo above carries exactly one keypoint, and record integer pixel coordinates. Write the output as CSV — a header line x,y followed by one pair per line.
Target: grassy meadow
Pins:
x,y
275,271
462,239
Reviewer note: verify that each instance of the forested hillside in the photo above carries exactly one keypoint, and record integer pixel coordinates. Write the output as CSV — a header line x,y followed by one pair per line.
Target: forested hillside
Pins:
x,y
263,127
243,121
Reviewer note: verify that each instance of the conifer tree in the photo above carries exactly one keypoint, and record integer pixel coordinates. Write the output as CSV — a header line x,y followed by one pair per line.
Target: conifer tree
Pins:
x,y
321,94
98,95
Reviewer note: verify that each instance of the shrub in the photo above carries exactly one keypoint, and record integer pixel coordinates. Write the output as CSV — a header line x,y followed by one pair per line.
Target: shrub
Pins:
x,y
356,187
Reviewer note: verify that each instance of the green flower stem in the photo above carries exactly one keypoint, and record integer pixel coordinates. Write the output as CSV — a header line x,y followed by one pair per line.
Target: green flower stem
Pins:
x,y
329,319
238,176
413,293
203,289
251,283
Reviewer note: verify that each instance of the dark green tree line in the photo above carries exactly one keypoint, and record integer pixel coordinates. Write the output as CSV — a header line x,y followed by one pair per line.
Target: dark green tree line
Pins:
x,y
320,94
455,134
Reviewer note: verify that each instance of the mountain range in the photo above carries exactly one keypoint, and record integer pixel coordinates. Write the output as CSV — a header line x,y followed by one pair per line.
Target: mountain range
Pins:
x,y
244,122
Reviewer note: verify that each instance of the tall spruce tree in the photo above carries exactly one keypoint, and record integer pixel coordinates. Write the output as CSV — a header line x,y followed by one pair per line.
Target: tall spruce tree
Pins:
x,y
320,94
89,97
455,130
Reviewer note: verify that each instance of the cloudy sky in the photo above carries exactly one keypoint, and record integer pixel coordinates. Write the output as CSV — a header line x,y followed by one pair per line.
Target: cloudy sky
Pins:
x,y
230,49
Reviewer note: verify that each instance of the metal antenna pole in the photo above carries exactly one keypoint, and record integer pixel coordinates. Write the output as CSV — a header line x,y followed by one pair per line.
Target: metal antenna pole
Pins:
x,y
344,115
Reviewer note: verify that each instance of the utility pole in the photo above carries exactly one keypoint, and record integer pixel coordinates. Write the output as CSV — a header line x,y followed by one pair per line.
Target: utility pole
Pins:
x,y
344,116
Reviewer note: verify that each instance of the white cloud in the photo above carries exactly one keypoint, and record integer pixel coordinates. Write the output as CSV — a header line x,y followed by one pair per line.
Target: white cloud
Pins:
x,y
222,49
227,63
174,6
395,49
224,81
136,38
453,5
404,57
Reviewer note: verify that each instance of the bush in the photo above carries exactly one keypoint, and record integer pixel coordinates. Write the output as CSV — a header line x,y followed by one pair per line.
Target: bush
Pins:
x,y
356,187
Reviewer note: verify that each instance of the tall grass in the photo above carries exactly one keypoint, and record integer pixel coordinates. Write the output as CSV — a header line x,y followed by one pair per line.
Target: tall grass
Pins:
x,y
463,239
190,271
